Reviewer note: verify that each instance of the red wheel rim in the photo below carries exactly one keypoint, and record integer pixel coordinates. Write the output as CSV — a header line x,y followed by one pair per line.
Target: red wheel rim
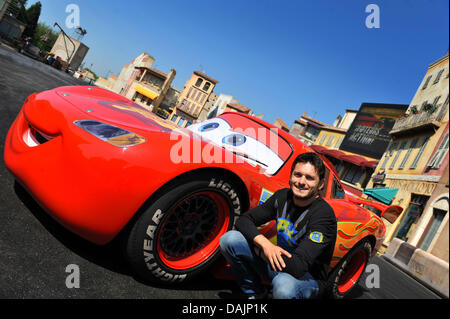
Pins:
x,y
191,231
354,271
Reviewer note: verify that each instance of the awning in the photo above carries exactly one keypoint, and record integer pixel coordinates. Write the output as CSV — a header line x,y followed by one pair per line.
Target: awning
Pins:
x,y
354,159
318,148
383,194
146,92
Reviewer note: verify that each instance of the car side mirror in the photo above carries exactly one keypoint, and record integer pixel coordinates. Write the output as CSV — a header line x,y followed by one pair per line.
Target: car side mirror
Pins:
x,y
391,213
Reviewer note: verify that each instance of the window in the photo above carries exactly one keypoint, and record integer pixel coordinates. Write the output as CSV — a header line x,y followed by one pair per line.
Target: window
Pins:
x,y
436,100
426,82
198,96
337,191
338,166
411,216
388,154
181,121
411,147
323,191
188,123
183,104
203,98
174,118
187,106
339,142
422,148
423,105
322,139
330,140
443,110
400,150
311,133
438,217
438,157
199,82
206,86
353,175
189,92
438,77
255,149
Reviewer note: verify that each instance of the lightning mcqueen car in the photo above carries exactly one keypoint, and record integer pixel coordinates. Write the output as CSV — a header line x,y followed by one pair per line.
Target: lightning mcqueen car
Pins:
x,y
105,167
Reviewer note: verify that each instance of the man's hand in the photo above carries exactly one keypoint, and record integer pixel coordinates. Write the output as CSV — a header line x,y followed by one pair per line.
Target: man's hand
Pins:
x,y
272,253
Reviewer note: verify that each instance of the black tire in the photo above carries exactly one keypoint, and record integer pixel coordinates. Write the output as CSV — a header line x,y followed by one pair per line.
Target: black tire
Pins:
x,y
348,271
177,237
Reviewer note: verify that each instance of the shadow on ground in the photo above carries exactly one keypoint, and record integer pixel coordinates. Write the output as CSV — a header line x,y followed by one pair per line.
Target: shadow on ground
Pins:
x,y
109,256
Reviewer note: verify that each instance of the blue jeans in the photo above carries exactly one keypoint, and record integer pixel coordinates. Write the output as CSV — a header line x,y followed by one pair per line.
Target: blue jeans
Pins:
x,y
249,269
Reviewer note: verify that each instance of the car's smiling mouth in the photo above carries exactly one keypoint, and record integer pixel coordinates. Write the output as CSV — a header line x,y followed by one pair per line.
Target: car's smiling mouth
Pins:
x,y
33,137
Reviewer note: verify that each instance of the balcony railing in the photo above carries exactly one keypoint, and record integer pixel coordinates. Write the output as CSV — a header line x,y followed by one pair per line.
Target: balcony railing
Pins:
x,y
421,120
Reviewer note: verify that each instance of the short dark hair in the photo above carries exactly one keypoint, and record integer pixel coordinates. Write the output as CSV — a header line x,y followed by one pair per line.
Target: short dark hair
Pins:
x,y
314,160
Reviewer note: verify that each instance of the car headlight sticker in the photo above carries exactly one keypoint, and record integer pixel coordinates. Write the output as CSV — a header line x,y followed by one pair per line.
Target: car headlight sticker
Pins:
x,y
111,134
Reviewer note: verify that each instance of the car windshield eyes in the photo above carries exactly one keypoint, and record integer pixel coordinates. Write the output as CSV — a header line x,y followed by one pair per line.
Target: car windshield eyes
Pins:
x,y
209,127
234,139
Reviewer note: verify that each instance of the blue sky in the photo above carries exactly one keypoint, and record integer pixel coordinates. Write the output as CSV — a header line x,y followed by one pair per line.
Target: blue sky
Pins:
x,y
279,58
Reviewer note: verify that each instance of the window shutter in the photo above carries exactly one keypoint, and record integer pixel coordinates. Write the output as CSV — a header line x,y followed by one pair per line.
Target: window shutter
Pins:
x,y
388,154
426,82
438,76
411,147
422,148
438,157
400,150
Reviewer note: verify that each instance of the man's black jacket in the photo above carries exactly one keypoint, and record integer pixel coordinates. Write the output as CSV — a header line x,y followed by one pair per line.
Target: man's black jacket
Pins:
x,y
308,233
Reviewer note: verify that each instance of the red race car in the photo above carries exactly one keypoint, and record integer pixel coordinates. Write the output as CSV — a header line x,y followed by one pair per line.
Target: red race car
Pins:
x,y
103,166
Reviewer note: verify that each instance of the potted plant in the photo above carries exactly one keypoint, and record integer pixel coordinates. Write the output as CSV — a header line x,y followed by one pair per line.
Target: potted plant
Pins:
x,y
430,108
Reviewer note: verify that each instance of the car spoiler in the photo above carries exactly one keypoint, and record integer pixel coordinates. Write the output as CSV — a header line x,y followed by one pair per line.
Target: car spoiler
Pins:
x,y
388,212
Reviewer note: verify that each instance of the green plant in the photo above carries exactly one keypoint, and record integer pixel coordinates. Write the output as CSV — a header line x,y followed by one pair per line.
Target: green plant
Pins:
x,y
430,108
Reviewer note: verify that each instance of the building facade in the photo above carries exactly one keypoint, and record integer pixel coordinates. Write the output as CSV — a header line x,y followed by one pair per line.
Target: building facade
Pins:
x,y
306,129
148,87
221,103
345,121
209,105
106,83
281,124
237,107
128,72
193,98
417,156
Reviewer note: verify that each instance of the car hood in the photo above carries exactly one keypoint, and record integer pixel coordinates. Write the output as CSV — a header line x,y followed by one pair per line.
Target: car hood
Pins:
x,y
101,104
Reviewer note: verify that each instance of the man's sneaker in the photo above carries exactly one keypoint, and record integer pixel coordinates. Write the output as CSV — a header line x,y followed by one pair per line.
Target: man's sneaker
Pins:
x,y
261,295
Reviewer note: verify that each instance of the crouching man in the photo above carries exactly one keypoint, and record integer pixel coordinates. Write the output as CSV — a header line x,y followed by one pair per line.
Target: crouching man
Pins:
x,y
297,265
